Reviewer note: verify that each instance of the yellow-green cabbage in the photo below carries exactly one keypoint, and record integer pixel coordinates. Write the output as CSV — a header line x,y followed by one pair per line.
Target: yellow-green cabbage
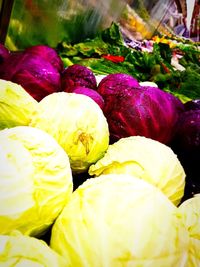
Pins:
x,y
36,180
190,208
119,220
78,124
18,250
147,159
16,105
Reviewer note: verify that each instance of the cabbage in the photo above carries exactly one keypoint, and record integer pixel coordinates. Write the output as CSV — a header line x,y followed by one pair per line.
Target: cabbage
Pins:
x,y
187,135
192,104
47,53
116,82
77,75
190,208
78,124
9,66
147,159
36,180
34,73
186,144
17,250
16,105
139,110
119,220
91,93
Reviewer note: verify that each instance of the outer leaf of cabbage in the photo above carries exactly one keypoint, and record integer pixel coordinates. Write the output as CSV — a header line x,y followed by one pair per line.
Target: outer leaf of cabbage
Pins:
x,y
147,159
20,251
120,221
16,105
190,208
78,124
36,180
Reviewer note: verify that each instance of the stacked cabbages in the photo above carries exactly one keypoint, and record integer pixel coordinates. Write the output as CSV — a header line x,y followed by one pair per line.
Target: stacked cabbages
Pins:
x,y
116,130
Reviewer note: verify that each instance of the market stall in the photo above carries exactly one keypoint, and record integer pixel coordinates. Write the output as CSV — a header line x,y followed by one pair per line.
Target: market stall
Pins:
x,y
99,133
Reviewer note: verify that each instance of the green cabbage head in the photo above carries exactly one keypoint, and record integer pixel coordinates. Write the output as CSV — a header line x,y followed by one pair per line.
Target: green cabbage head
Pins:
x,y
78,124
16,105
36,180
147,159
18,250
118,220
190,208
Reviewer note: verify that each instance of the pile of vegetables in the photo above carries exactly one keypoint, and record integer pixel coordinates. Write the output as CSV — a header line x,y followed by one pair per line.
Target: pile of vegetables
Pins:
x,y
95,172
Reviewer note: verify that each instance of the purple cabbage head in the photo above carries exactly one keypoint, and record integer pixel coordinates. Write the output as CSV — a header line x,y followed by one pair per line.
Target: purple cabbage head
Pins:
x,y
144,111
187,135
116,81
91,93
10,65
34,73
77,75
47,53
192,104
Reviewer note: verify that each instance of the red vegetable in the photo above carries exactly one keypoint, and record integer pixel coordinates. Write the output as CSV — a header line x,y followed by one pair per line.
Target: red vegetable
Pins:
x,y
192,104
33,72
38,77
116,82
91,93
115,59
47,53
186,145
77,75
187,136
145,111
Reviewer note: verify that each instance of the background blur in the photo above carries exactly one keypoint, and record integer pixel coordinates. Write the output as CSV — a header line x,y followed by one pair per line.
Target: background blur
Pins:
x,y
29,22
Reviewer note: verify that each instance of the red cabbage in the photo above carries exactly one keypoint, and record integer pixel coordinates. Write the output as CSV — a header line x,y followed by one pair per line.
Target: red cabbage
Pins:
x,y
91,93
145,111
116,81
186,145
34,73
48,54
77,75
192,104
187,135
10,65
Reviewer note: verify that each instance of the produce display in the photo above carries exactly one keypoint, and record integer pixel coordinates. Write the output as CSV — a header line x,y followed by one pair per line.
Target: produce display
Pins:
x,y
99,153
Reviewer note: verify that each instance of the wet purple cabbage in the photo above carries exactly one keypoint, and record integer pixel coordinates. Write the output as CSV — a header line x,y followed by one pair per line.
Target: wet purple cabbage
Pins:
x,y
116,81
77,75
47,53
139,110
34,73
